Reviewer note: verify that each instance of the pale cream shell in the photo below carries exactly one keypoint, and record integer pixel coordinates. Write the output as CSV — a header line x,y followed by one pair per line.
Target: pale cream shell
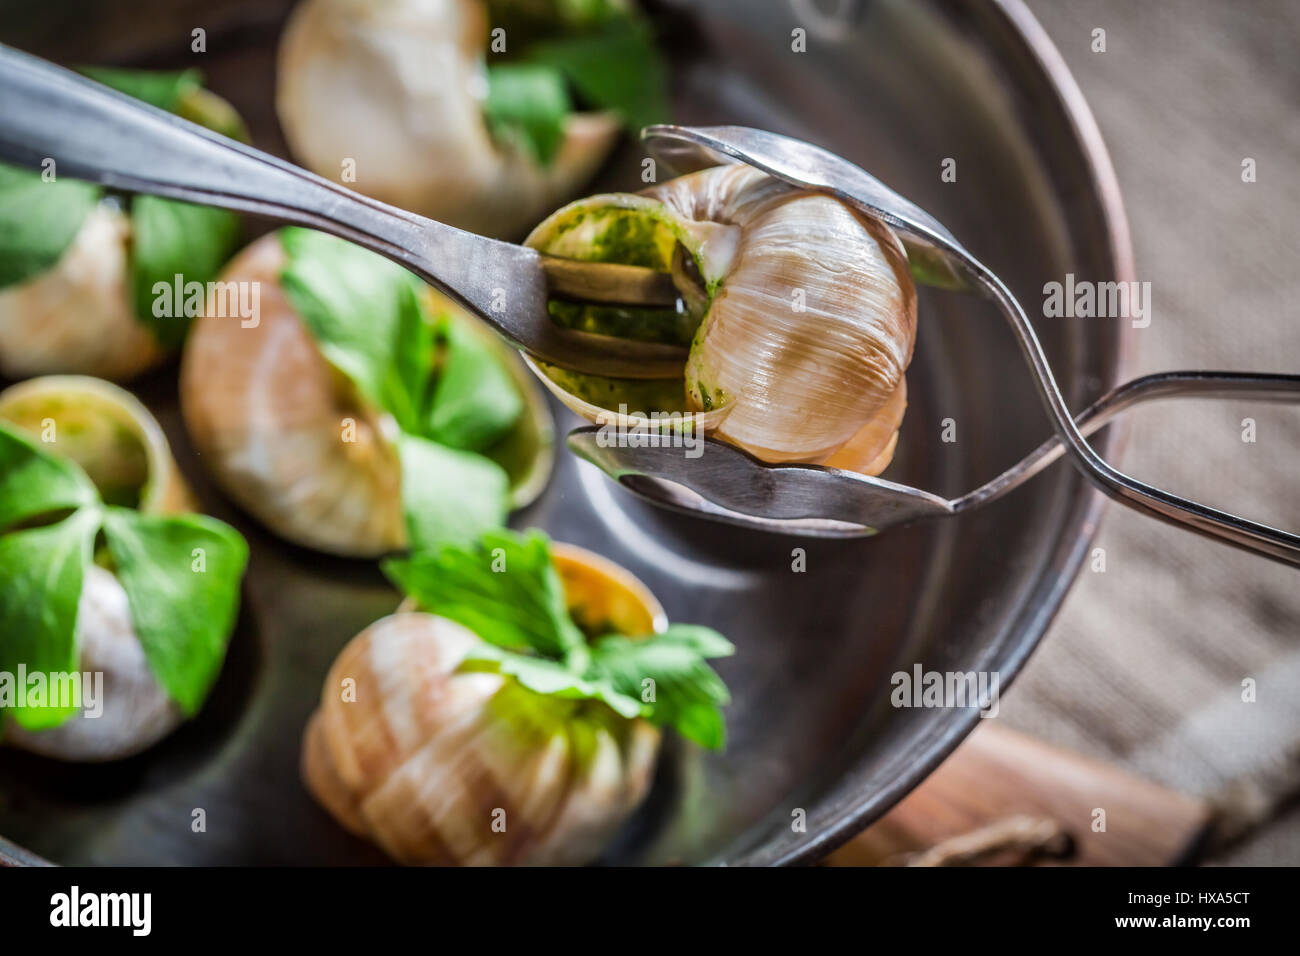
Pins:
x,y
269,416
78,317
395,89
137,711
423,760
97,409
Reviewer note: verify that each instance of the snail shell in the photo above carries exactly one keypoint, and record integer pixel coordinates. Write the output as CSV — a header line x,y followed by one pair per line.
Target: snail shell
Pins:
x,y
137,711
801,353
78,316
267,413
90,418
424,760
107,431
397,86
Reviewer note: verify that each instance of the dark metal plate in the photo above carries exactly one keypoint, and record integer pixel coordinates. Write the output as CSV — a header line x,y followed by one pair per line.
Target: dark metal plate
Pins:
x,y
895,85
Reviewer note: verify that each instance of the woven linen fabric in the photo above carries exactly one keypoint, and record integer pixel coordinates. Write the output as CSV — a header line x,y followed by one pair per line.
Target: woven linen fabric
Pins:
x,y
1146,662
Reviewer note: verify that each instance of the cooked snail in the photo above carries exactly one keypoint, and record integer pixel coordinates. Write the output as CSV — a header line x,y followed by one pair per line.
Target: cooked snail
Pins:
x,y
117,445
137,711
306,449
444,748
800,314
78,316
79,267
396,98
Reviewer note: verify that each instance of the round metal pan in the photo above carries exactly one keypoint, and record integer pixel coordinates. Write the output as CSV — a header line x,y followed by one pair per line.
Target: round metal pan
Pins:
x,y
815,750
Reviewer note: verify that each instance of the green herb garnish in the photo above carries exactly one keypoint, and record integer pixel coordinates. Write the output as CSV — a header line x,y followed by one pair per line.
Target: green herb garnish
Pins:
x,y
40,218
170,239
475,402
38,221
165,90
448,494
180,573
615,67
445,384
567,54
506,590
528,104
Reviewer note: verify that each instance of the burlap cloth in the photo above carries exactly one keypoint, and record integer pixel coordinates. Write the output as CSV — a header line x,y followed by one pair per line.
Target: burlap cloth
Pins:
x,y
1146,662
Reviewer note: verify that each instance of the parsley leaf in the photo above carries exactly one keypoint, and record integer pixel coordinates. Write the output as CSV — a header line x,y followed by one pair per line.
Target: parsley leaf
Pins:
x,y
443,383
597,51
181,576
527,105
449,496
505,589
163,89
169,239
668,673
38,221
536,19
34,484
178,92
180,573
549,678
363,313
615,67
43,570
475,402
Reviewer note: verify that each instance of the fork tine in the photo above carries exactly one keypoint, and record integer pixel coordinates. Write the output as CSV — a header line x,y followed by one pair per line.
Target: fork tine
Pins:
x,y
796,497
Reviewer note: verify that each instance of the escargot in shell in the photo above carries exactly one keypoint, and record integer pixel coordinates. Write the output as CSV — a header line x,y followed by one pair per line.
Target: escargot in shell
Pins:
x,y
359,408
461,109
482,725
799,314
104,577
81,267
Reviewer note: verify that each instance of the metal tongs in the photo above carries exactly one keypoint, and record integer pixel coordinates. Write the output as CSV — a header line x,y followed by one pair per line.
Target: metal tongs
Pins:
x,y
97,134
730,484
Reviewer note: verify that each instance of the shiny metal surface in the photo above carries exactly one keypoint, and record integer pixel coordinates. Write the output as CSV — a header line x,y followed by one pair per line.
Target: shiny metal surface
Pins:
x,y
810,728
98,134
731,485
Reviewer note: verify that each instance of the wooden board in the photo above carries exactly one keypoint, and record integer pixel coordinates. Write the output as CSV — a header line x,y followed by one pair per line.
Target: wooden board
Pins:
x,y
1001,784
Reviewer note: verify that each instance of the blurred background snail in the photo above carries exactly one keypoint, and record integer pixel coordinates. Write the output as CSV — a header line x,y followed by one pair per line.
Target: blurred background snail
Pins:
x,y
360,413
485,115
799,313
79,266
488,722
117,581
